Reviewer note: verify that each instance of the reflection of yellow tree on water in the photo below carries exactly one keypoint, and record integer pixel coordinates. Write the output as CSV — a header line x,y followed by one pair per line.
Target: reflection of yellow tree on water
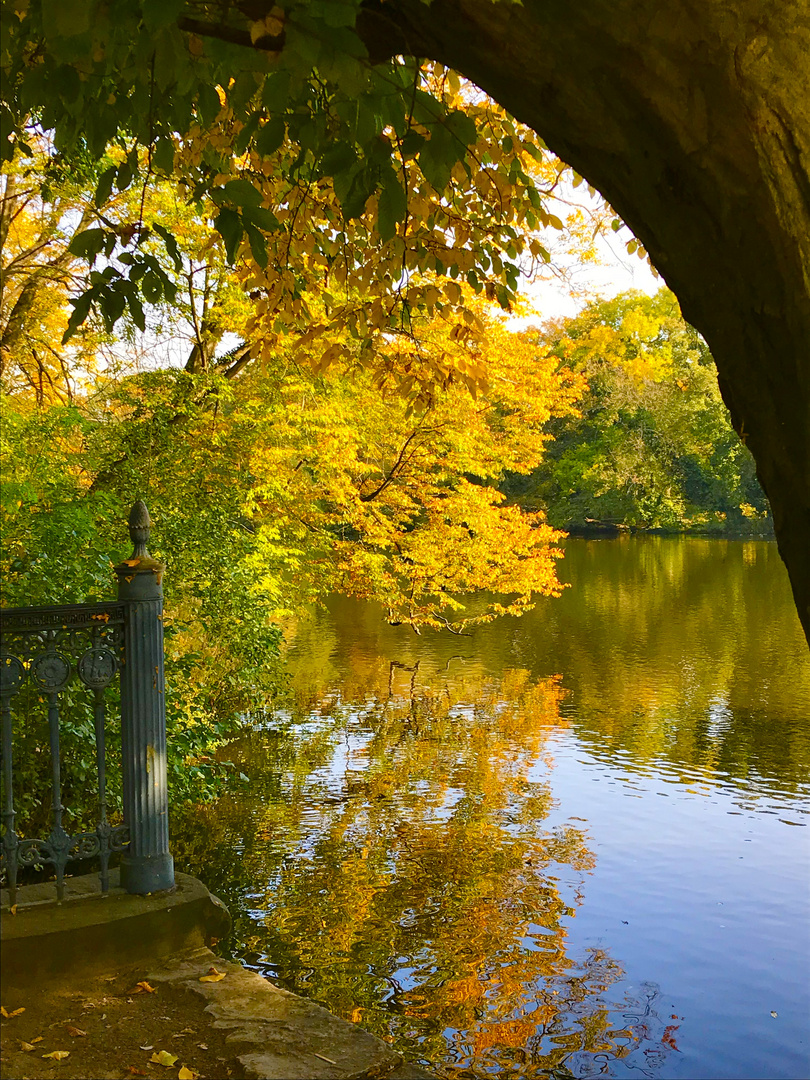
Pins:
x,y
411,884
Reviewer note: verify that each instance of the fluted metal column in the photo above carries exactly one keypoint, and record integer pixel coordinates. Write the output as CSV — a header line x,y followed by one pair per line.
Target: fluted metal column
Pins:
x,y
147,866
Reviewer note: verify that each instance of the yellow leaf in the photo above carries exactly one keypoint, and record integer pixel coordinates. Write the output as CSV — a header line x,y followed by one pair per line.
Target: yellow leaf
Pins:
x,y
74,1031
213,975
186,1074
13,909
143,988
164,1058
37,1039
27,1047
57,1055
8,1015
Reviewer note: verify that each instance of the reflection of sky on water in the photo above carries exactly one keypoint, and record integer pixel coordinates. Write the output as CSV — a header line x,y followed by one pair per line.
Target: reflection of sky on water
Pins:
x,y
710,901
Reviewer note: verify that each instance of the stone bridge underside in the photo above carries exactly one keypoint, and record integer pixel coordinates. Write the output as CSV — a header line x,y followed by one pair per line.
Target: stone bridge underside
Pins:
x,y
692,117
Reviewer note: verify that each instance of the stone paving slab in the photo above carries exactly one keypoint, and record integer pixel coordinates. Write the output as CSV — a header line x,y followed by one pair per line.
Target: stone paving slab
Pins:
x,y
285,1037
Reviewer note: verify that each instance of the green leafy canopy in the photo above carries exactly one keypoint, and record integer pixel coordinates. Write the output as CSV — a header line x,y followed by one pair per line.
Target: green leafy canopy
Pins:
x,y
152,88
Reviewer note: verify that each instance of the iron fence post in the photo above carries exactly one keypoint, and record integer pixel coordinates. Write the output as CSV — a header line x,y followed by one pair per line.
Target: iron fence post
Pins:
x,y
147,866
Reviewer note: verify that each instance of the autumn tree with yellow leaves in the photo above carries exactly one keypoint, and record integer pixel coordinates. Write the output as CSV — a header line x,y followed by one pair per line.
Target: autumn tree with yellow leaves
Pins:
x,y
329,407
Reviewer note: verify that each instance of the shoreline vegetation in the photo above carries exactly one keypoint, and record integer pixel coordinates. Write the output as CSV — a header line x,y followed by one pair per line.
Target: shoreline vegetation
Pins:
x,y
612,530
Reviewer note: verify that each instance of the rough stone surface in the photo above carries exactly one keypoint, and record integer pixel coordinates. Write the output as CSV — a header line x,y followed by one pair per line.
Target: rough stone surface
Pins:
x,y
285,1037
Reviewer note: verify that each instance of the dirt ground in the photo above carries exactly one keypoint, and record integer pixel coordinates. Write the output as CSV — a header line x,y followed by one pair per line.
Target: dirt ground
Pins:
x,y
110,1029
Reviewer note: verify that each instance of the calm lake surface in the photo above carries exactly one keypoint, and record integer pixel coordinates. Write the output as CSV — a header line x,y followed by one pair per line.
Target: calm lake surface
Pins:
x,y
572,844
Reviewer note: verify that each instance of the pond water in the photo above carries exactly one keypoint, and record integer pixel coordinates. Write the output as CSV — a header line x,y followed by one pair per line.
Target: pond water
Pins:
x,y
571,844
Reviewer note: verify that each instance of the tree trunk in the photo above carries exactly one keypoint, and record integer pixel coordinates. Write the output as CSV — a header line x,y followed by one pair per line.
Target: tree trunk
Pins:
x,y
692,117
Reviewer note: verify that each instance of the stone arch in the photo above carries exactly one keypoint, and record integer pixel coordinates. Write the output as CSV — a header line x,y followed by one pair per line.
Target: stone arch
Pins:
x,y
692,117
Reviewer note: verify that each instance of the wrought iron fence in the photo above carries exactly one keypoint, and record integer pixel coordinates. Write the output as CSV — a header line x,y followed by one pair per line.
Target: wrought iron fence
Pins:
x,y
47,648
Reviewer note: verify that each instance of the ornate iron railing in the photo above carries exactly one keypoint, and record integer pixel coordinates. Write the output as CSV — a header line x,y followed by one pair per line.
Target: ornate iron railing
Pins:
x,y
47,648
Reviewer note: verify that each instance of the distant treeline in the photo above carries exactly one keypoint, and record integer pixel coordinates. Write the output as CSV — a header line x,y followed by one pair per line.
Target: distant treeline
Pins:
x,y
653,447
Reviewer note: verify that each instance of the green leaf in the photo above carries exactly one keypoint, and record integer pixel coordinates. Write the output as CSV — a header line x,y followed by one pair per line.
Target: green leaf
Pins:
x,y
125,174
276,91
462,127
208,105
81,309
171,245
170,56
152,287
393,206
242,140
258,245
368,122
271,136
104,186
66,83
353,189
135,310
437,158
67,18
338,158
261,217
160,13
163,155
242,193
229,226
88,244
241,92
337,13
412,144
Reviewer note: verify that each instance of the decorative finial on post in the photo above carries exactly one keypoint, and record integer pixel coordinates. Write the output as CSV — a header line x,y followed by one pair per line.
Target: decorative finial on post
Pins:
x,y
139,525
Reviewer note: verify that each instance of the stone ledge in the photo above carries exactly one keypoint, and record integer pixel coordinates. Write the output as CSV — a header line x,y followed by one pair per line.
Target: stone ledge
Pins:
x,y
95,931
286,1037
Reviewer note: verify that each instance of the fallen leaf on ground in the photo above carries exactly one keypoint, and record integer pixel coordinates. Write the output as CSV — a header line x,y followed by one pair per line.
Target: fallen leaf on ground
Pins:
x,y
37,1039
135,1072
163,1057
14,1012
143,988
213,975
57,1055
75,1032
202,1046
27,1047
187,1074
13,909
150,1047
